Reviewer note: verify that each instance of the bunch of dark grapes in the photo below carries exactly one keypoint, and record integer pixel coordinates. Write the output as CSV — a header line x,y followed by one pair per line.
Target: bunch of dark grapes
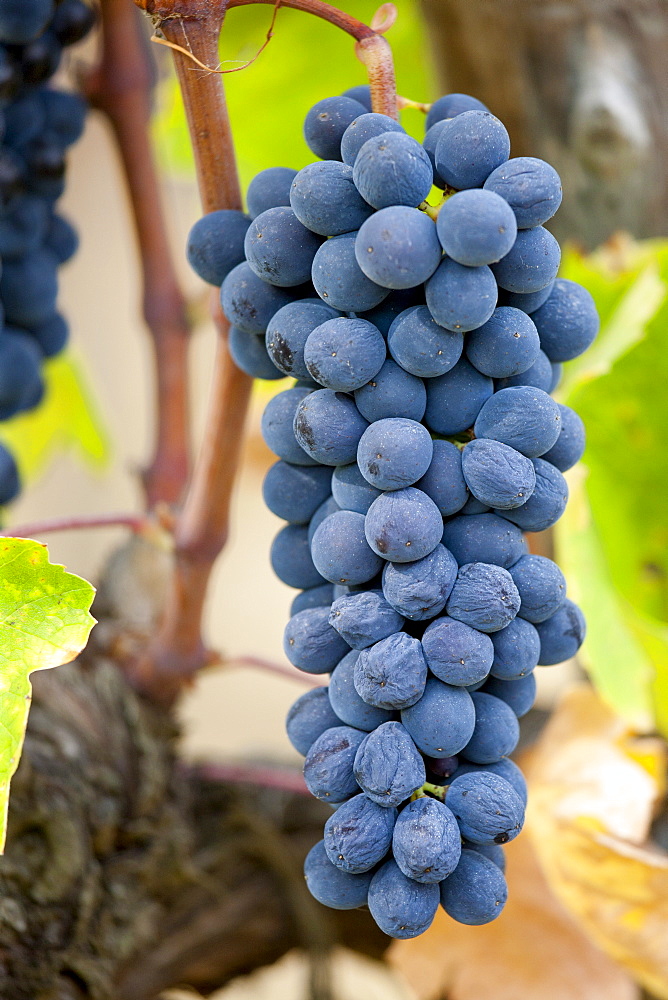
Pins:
x,y
417,445
37,124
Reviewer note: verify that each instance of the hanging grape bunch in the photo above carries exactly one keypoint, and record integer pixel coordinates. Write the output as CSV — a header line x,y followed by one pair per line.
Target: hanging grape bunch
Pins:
x,y
38,123
418,443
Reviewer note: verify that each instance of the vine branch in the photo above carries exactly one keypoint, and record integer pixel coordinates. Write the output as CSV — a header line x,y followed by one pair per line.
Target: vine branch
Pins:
x,y
192,28
120,87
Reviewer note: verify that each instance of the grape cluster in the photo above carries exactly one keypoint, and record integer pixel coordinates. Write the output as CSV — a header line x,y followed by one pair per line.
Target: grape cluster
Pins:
x,y
37,124
418,443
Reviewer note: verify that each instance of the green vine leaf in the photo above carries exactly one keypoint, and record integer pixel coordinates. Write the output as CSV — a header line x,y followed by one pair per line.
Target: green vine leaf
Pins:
x,y
44,622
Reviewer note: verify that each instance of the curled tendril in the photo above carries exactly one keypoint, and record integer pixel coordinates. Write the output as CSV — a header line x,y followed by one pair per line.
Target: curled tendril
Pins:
x,y
384,18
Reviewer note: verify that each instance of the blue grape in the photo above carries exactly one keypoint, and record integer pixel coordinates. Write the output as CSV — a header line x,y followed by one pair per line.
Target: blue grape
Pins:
x,y
65,113
430,142
308,719
351,490
519,693
426,842
294,492
291,559
392,673
497,474
289,329
343,354
528,302
393,169
248,301
461,298
476,892
277,427
340,281
456,653
359,834
504,768
328,426
547,502
346,702
516,649
569,446
394,453
329,506
341,552
419,590
531,187
397,247
469,147
313,597
328,768
567,322
387,765
384,315
451,105
527,419
363,128
62,239
496,732
493,852
269,189
216,244
310,642
442,767
541,586
23,225
506,345
361,93
441,723
476,227
402,907
557,372
10,483
249,353
23,20
279,249
487,807
392,392
364,618
332,887
455,399
421,346
539,375
51,336
403,525
21,384
532,263
444,481
29,287
484,597
473,506
561,635
327,121
325,200
483,538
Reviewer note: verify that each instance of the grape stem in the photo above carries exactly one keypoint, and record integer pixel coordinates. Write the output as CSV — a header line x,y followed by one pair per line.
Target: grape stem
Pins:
x,y
120,87
437,791
136,523
268,666
177,651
